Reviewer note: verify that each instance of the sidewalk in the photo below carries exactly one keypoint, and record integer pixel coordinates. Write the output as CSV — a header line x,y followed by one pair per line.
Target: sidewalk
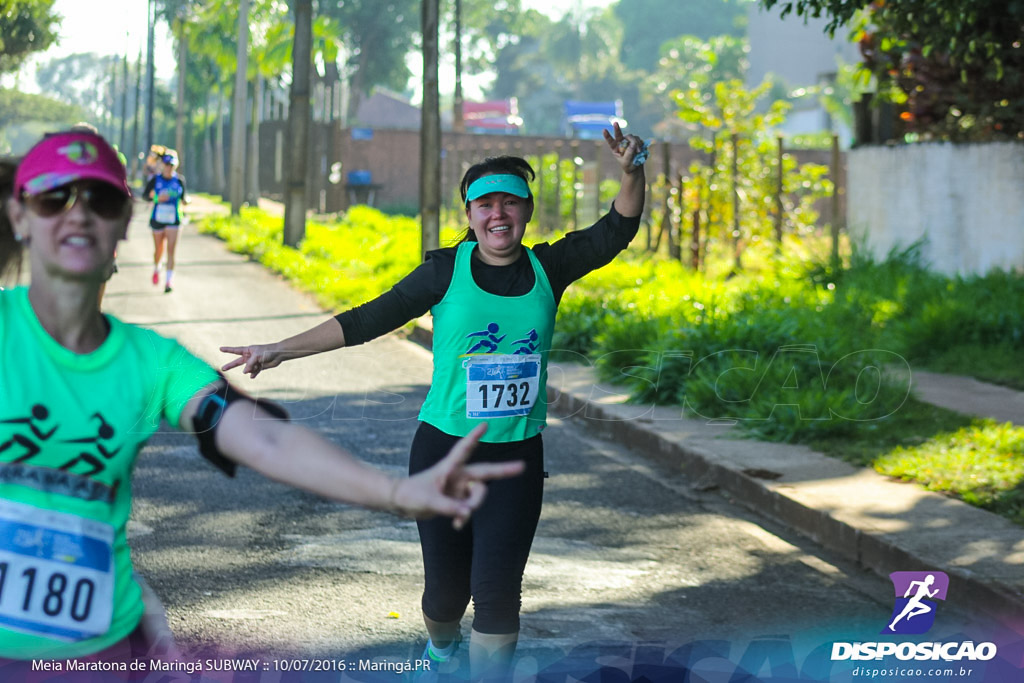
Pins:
x,y
881,524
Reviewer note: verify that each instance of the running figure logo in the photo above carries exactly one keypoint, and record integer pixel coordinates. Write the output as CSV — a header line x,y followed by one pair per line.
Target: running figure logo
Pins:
x,y
82,153
914,610
489,339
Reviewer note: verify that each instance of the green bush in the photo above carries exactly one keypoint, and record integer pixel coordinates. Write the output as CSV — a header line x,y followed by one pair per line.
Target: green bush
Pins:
x,y
344,263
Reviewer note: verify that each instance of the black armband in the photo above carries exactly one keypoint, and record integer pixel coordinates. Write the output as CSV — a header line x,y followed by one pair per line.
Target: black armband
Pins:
x,y
207,419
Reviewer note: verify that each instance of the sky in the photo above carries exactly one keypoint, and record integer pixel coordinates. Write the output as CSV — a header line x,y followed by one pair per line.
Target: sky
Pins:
x,y
119,27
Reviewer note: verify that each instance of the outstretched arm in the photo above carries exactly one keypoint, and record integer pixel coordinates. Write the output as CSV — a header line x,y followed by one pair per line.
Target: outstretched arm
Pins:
x,y
297,456
326,336
147,192
629,202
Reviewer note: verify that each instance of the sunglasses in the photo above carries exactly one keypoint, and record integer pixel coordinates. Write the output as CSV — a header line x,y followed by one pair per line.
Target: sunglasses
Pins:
x,y
104,200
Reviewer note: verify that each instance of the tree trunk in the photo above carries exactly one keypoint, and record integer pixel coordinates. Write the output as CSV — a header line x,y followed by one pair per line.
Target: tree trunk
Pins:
x,y
209,151
458,124
135,166
219,177
150,75
355,90
430,133
298,126
124,114
237,176
252,194
179,123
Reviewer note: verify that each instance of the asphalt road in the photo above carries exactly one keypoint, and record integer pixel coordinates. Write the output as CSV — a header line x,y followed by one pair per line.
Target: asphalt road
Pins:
x,y
626,553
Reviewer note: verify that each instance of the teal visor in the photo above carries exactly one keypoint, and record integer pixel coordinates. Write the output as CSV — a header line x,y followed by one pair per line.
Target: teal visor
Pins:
x,y
507,183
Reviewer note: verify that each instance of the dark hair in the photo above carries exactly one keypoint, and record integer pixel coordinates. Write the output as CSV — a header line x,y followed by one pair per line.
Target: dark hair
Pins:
x,y
10,247
492,166
496,165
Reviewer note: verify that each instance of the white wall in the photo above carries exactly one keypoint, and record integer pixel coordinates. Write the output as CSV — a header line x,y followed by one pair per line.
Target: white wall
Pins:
x,y
967,201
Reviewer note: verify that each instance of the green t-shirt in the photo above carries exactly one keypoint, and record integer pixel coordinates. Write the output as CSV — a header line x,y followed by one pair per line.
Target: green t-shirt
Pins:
x,y
71,427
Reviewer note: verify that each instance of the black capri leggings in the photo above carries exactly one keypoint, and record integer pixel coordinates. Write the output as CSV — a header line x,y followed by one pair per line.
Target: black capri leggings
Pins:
x,y
486,559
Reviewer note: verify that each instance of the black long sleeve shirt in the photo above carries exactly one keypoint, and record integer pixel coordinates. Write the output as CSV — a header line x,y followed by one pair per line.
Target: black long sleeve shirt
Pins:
x,y
563,261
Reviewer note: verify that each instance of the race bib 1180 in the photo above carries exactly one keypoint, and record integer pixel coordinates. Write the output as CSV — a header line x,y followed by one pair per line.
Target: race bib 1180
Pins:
x,y
500,385
56,573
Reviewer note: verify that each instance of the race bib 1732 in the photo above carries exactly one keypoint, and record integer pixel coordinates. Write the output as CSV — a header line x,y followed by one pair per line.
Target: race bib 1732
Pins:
x,y
500,385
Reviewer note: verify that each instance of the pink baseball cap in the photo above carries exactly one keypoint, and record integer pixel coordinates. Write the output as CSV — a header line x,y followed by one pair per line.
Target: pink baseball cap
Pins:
x,y
68,157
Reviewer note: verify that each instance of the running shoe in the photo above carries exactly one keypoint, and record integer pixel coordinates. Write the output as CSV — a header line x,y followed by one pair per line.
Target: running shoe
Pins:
x,y
437,660
167,289
156,277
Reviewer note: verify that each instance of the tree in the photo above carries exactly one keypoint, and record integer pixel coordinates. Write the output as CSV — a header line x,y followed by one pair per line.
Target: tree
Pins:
x,y
82,79
204,41
299,119
956,67
236,179
26,26
430,132
549,62
523,70
649,24
485,27
735,180
212,48
177,15
205,34
688,62
600,54
18,108
377,37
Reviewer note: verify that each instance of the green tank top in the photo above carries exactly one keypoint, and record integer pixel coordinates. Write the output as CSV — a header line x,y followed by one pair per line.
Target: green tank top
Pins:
x,y
490,356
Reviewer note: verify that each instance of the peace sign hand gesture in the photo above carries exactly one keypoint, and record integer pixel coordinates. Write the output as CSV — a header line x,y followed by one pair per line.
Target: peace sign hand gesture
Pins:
x,y
627,149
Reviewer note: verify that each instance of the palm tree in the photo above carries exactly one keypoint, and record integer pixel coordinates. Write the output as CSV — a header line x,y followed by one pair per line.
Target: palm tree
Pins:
x,y
237,176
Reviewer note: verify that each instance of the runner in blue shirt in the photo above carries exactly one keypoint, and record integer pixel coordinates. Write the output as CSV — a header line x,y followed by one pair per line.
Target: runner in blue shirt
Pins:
x,y
168,190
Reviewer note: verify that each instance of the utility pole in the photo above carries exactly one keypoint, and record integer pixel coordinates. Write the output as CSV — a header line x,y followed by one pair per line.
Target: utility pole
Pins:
x,y
298,126
430,134
236,188
150,75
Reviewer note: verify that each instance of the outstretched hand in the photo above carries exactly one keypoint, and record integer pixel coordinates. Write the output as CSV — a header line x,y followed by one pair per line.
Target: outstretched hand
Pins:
x,y
624,147
255,358
451,487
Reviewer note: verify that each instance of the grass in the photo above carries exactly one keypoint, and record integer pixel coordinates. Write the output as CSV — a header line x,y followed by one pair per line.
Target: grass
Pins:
x,y
999,364
784,331
983,463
